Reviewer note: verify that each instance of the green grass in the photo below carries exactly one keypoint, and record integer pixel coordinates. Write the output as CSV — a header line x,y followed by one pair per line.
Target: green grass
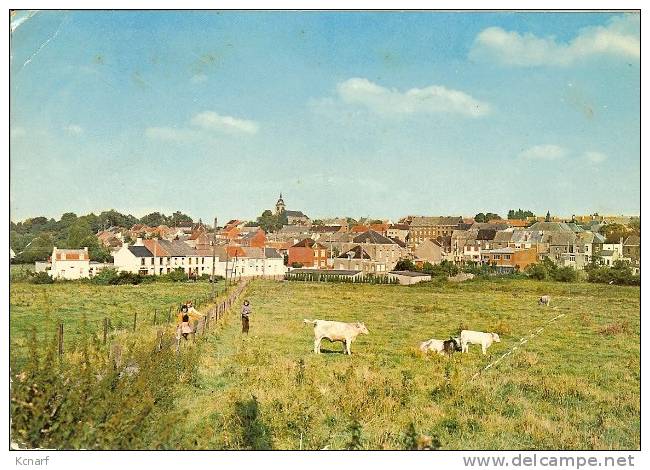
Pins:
x,y
576,386
42,307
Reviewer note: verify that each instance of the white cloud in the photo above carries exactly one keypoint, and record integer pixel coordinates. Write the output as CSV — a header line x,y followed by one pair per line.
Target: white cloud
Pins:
x,y
73,129
544,152
432,99
209,120
621,37
199,78
595,157
170,134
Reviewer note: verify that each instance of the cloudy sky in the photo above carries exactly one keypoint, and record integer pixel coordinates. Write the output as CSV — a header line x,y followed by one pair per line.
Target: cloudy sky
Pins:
x,y
362,114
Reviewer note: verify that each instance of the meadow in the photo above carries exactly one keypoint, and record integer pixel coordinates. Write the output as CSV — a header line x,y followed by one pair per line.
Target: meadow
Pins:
x,y
37,309
574,386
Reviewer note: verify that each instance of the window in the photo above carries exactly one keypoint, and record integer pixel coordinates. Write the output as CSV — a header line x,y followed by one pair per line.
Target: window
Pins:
x,y
497,257
506,256
141,261
152,260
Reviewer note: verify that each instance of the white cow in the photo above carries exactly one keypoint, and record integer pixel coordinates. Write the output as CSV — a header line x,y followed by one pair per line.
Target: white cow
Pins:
x,y
545,300
468,337
336,331
440,346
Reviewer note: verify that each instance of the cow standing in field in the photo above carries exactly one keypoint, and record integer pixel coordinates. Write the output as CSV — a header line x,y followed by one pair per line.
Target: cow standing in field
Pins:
x,y
545,300
336,331
468,337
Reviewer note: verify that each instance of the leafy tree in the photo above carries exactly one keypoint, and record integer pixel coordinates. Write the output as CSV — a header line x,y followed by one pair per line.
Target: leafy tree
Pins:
x,y
38,249
154,219
78,233
519,214
635,226
178,218
405,265
482,218
317,222
614,232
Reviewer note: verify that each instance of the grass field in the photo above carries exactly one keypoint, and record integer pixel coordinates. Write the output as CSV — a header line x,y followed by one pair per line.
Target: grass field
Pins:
x,y
42,307
575,386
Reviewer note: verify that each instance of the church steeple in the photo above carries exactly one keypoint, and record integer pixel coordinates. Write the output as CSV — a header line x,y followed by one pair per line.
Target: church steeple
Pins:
x,y
279,206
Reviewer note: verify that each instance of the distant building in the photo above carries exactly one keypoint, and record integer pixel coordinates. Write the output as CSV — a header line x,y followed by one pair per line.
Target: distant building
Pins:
x,y
510,259
309,254
70,264
409,277
293,217
423,228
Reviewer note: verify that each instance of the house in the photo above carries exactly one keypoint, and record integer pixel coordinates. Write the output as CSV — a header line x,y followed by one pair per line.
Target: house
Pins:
x,y
422,228
134,259
256,238
356,259
12,254
430,251
632,249
308,253
510,259
70,264
381,249
409,277
399,231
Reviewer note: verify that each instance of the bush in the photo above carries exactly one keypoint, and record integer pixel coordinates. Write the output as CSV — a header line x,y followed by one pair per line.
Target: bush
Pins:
x,y
536,271
177,275
105,276
565,274
41,278
404,265
295,264
126,278
619,274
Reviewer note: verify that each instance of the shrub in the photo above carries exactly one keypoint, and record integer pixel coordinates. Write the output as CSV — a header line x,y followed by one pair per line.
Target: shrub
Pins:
x,y
536,271
126,278
105,276
295,264
41,278
405,265
177,275
565,274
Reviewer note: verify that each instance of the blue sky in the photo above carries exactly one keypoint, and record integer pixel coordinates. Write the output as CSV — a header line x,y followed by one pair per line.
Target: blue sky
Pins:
x,y
364,114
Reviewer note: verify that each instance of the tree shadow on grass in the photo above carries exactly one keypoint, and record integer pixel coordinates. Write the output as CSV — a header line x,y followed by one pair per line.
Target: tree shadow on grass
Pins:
x,y
255,434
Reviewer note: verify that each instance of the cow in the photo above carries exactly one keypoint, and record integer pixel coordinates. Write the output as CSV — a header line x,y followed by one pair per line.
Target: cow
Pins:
x,y
545,300
336,331
442,347
468,337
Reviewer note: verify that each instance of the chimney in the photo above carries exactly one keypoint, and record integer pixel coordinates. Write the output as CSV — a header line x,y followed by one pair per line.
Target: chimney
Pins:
x,y
138,241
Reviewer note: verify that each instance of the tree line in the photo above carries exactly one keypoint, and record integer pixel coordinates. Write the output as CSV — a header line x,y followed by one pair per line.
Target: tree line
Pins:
x,y
33,239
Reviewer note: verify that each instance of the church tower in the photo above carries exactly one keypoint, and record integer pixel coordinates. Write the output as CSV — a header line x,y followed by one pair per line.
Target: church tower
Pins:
x,y
279,206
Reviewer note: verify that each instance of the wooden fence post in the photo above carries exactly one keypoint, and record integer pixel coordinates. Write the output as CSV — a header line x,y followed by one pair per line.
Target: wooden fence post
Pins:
x,y
169,315
135,319
105,329
60,338
155,314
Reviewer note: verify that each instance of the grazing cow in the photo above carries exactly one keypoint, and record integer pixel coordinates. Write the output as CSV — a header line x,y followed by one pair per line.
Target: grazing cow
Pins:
x,y
545,300
441,347
468,337
336,331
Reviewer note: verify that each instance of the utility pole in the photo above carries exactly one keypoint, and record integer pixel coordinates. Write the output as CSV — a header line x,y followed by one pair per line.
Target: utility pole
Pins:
x,y
214,254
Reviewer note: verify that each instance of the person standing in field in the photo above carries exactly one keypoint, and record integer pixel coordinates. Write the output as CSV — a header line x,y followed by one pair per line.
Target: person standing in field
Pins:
x,y
245,314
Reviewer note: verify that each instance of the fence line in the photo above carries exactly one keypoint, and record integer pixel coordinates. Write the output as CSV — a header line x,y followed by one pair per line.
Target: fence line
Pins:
x,y
522,341
216,312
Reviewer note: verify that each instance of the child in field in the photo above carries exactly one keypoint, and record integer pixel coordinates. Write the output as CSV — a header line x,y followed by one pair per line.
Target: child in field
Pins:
x,y
245,313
